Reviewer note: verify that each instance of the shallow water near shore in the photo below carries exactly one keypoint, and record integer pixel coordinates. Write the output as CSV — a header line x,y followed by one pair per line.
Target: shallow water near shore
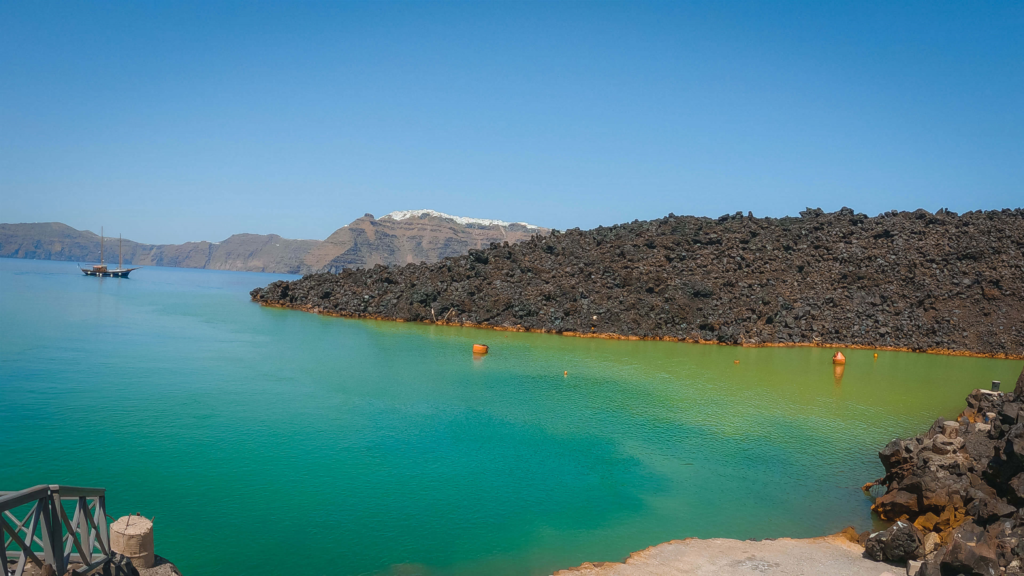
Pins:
x,y
262,438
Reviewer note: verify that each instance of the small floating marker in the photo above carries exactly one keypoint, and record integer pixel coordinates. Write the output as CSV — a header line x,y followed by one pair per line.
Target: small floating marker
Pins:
x,y
838,358
566,373
735,361
479,349
876,355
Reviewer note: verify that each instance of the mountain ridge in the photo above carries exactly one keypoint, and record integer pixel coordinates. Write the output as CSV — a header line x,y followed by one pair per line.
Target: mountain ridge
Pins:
x,y
419,236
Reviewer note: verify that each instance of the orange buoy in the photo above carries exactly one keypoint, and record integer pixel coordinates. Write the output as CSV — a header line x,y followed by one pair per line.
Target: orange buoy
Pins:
x,y
876,354
735,361
838,358
566,373
479,349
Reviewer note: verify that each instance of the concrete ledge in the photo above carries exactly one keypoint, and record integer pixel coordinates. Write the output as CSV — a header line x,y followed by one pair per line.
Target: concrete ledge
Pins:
x,y
832,555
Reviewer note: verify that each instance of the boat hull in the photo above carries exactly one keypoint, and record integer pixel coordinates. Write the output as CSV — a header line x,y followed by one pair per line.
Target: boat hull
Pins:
x,y
108,273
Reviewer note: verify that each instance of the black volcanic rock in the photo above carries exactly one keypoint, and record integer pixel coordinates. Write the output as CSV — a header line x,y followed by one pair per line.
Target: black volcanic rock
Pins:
x,y
912,280
898,543
961,510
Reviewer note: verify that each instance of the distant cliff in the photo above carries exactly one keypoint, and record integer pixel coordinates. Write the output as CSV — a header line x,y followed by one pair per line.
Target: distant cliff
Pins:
x,y
245,252
410,237
398,238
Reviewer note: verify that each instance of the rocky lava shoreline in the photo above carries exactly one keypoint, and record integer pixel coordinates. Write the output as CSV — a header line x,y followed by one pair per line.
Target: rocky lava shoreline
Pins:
x,y
956,493
919,281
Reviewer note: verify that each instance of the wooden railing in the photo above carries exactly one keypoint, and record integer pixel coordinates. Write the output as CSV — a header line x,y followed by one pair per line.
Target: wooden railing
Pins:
x,y
47,535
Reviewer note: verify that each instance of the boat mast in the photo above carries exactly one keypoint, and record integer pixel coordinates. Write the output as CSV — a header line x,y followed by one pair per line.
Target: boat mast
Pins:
x,y
101,244
119,267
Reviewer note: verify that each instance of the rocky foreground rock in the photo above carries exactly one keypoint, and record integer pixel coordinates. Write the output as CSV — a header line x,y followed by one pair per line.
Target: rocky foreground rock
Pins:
x,y
956,493
907,280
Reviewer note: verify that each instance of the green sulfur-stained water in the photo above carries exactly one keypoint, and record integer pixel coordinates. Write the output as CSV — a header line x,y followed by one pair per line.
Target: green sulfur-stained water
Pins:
x,y
266,440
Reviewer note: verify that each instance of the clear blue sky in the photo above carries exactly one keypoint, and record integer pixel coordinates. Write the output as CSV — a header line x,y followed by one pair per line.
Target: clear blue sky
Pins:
x,y
175,121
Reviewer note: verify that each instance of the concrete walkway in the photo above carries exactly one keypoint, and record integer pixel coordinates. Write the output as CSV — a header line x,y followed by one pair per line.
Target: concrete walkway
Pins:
x,y
831,555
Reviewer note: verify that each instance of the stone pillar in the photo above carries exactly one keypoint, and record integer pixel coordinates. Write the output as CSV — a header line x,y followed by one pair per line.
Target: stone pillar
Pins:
x,y
950,429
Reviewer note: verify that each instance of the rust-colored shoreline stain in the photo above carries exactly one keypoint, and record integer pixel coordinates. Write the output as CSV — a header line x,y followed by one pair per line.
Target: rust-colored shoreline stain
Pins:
x,y
613,336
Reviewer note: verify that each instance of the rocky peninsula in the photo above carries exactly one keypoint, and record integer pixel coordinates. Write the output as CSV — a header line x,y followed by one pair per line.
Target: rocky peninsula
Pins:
x,y
936,282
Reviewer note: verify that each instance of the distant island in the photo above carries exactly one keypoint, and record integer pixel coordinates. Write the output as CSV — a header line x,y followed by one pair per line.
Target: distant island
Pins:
x,y
402,237
938,282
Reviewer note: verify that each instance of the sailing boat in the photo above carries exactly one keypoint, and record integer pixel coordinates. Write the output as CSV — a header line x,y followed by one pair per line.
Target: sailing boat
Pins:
x,y
101,268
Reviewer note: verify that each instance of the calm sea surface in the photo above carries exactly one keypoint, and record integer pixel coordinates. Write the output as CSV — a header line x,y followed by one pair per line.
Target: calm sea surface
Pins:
x,y
266,441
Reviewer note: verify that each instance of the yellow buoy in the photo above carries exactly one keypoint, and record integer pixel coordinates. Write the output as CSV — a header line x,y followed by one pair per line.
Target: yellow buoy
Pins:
x,y
876,355
735,361
479,349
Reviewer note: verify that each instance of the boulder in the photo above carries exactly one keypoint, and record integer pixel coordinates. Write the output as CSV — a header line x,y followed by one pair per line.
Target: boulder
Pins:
x,y
950,518
1005,551
929,543
941,445
1008,413
926,522
895,504
930,568
1015,489
971,552
980,447
986,510
895,455
900,542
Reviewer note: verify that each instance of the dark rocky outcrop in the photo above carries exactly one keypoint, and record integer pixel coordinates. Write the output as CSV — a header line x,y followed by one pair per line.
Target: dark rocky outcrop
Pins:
x,y
957,510
907,280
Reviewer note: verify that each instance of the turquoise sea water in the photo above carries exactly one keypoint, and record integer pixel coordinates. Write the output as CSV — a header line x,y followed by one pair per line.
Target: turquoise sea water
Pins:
x,y
263,438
